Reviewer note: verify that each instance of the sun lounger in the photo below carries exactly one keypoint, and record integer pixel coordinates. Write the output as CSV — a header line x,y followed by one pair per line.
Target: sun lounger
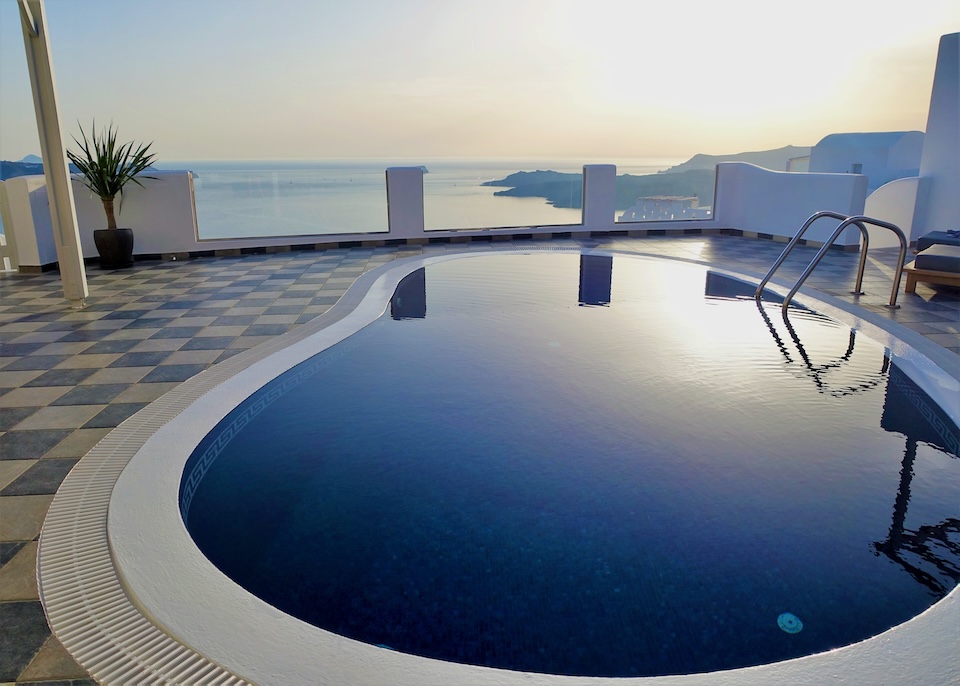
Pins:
x,y
938,238
937,264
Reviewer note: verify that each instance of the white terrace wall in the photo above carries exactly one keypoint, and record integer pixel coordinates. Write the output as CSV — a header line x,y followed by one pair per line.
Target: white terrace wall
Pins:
x,y
755,199
163,213
894,202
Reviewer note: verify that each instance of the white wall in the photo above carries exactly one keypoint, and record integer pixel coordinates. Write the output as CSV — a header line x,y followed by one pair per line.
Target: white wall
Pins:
x,y
163,214
883,156
893,202
938,207
755,199
405,201
29,210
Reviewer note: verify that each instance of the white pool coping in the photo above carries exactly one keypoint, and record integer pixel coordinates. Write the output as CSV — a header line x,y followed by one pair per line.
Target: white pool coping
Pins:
x,y
173,585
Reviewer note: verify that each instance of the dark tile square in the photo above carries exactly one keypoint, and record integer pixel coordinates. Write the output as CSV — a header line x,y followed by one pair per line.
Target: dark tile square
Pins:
x,y
91,394
266,329
235,320
30,445
146,323
207,311
41,317
84,335
142,359
9,550
61,377
112,415
284,309
43,478
34,362
177,332
19,349
117,346
227,354
11,416
23,629
325,299
208,343
173,372
93,306
67,325
179,304
126,314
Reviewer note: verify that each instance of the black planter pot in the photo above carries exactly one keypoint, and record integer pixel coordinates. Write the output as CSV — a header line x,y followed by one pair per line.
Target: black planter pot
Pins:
x,y
115,247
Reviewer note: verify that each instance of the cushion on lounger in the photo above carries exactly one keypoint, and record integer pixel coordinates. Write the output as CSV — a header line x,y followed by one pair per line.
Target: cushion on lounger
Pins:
x,y
939,258
937,238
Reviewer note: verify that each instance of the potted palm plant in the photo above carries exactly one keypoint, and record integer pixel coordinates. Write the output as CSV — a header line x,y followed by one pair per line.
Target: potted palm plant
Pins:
x,y
106,168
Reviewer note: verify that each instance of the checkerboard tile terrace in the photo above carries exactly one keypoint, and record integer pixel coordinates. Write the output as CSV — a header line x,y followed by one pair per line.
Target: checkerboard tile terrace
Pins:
x,y
68,377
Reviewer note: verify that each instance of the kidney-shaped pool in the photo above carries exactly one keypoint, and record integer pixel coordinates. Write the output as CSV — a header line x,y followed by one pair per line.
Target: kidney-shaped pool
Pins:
x,y
586,465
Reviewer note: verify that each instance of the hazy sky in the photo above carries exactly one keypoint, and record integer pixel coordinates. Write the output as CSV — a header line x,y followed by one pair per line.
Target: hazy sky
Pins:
x,y
533,79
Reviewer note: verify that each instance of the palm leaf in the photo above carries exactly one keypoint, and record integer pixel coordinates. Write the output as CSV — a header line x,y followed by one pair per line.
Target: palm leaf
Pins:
x,y
106,167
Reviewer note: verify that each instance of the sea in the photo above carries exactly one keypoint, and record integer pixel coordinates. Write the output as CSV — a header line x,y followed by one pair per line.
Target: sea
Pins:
x,y
241,199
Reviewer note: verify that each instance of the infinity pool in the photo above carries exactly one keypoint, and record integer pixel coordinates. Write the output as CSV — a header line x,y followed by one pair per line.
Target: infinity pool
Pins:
x,y
586,465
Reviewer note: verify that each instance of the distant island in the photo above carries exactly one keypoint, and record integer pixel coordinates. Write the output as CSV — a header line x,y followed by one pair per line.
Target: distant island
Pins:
x,y
776,160
31,165
693,178
565,189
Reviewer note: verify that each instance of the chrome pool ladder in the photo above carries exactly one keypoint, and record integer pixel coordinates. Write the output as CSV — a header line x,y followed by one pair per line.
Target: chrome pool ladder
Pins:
x,y
856,220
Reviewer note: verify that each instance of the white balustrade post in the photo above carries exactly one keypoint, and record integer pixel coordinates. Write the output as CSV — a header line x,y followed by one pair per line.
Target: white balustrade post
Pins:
x,y
405,202
599,197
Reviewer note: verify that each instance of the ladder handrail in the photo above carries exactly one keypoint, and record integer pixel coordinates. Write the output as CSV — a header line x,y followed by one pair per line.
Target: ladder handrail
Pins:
x,y
796,239
858,221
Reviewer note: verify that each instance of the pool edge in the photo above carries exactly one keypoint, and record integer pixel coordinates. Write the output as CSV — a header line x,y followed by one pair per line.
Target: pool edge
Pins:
x,y
101,464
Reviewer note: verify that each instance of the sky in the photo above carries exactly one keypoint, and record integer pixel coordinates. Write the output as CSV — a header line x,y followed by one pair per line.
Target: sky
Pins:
x,y
592,80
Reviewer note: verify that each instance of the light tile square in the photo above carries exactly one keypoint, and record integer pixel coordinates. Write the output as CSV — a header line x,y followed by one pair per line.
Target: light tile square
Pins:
x,y
159,344
192,357
11,469
87,361
59,417
78,443
116,375
21,516
18,578
35,396
15,379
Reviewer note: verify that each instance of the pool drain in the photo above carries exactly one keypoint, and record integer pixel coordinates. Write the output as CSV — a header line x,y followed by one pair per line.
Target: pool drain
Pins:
x,y
790,623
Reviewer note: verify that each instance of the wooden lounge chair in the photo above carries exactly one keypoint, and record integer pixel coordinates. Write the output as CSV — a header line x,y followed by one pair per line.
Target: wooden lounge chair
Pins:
x,y
937,264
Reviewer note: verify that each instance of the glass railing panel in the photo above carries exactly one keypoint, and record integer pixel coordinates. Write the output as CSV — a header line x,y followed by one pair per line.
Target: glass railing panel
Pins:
x,y
669,193
243,199
471,194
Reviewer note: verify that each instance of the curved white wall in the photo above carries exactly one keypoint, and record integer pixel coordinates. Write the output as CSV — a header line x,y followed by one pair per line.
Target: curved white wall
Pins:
x,y
893,202
755,199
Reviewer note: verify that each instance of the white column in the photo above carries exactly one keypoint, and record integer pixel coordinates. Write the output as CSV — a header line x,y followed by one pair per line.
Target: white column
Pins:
x,y
405,202
938,202
600,197
63,214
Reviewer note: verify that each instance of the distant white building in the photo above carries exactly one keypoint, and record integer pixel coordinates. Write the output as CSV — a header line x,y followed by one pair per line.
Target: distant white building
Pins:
x,y
665,207
882,157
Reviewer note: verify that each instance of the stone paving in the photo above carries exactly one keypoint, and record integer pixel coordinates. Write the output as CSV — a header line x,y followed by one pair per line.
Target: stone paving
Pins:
x,y
68,377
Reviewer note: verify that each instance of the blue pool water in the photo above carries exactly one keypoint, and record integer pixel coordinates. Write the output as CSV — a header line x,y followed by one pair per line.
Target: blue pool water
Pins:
x,y
587,465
